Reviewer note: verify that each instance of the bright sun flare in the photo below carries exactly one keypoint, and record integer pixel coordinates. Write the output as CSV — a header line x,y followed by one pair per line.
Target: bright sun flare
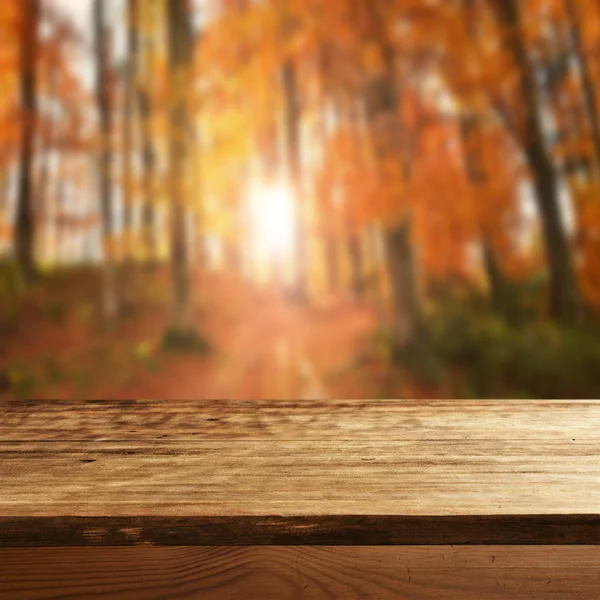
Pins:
x,y
271,212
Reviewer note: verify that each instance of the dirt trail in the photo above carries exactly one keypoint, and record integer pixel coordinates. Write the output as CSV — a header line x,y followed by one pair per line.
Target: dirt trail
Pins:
x,y
265,348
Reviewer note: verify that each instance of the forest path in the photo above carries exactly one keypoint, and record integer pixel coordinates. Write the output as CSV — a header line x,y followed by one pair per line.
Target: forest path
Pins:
x,y
265,347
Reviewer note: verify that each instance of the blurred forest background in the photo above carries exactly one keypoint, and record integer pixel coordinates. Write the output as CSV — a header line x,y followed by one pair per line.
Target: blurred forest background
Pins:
x,y
299,199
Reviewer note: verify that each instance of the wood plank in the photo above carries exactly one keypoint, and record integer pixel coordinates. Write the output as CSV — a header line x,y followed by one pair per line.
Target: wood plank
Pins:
x,y
510,420
318,530
292,478
290,573
381,472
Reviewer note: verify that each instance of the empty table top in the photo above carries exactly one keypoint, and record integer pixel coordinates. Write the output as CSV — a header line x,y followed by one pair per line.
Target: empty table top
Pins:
x,y
269,472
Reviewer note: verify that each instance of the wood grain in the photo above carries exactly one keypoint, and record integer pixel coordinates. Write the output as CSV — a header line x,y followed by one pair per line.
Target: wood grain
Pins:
x,y
291,478
301,573
314,472
352,530
509,420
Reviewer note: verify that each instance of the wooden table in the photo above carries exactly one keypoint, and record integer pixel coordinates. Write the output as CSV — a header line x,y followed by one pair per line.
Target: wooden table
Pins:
x,y
314,500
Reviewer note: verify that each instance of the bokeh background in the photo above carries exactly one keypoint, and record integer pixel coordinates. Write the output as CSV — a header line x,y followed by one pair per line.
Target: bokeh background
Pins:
x,y
299,199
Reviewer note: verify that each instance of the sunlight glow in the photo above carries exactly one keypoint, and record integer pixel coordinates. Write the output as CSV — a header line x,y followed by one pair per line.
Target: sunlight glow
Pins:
x,y
271,219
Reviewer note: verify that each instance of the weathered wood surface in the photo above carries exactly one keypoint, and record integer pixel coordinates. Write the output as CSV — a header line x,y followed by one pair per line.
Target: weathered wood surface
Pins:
x,y
301,573
211,473
510,421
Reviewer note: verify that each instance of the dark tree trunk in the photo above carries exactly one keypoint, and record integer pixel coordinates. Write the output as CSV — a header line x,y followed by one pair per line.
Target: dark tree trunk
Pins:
x,y
25,221
179,44
470,129
565,298
407,322
390,142
149,160
149,237
589,89
128,121
496,281
109,293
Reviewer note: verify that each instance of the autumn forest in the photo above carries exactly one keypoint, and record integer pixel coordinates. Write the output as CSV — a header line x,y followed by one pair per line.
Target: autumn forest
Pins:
x,y
282,199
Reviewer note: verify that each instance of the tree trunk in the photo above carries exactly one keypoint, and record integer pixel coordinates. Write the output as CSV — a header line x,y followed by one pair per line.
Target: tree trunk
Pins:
x,y
149,161
149,235
565,298
384,120
179,83
57,208
292,120
407,322
470,131
477,176
5,233
4,189
389,140
109,293
25,225
589,90
375,281
62,227
356,264
328,213
44,187
495,278
128,132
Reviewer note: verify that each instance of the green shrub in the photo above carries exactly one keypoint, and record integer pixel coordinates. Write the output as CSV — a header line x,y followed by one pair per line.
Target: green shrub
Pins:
x,y
524,301
419,359
188,341
428,368
449,332
503,360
